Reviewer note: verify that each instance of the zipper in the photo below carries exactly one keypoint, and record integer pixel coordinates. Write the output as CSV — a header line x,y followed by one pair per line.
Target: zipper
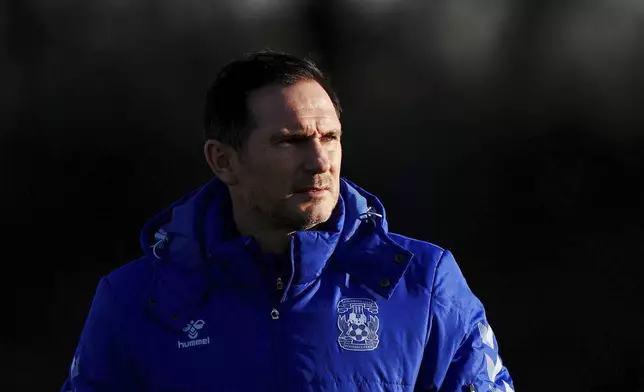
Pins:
x,y
282,268
275,316
279,292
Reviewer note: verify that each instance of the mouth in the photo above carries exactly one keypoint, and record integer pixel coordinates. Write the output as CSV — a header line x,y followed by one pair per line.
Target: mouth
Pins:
x,y
312,190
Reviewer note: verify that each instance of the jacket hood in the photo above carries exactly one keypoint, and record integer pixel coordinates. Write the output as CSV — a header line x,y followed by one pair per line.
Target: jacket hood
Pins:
x,y
206,211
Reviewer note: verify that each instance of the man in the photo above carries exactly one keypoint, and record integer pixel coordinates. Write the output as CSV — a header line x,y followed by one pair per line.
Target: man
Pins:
x,y
279,275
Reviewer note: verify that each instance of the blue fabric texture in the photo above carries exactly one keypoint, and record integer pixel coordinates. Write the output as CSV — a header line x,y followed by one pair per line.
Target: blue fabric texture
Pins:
x,y
350,307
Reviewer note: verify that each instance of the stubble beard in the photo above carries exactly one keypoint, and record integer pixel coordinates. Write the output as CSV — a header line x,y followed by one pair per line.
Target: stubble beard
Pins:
x,y
281,216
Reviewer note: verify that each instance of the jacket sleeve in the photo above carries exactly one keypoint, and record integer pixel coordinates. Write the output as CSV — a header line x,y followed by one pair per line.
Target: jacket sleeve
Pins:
x,y
99,363
461,354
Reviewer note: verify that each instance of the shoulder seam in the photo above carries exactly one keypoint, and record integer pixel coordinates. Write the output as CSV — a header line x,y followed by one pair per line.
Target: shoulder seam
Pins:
x,y
451,300
431,296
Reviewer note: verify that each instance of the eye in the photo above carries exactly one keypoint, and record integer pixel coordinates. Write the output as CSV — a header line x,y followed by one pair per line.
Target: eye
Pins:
x,y
293,140
290,140
331,137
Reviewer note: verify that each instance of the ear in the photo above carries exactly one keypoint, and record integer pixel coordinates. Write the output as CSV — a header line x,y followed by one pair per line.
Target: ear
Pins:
x,y
221,159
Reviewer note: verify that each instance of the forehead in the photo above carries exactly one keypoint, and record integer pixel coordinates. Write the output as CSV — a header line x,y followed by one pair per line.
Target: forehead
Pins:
x,y
301,105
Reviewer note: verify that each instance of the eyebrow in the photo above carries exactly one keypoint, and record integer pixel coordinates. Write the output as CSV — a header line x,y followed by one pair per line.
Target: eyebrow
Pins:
x,y
299,131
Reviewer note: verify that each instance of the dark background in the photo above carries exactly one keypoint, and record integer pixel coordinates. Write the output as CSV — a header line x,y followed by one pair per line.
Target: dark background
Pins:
x,y
509,131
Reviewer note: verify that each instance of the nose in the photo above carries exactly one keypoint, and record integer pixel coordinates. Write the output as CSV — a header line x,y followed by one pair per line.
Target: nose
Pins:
x,y
317,159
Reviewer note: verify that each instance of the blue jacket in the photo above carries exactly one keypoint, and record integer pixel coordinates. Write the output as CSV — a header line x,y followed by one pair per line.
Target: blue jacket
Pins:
x,y
358,308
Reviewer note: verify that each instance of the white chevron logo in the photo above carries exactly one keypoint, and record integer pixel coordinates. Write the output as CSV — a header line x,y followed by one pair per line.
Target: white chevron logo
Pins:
x,y
73,370
487,335
506,386
493,368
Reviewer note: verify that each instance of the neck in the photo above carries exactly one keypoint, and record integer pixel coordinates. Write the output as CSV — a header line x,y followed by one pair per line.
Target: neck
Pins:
x,y
252,223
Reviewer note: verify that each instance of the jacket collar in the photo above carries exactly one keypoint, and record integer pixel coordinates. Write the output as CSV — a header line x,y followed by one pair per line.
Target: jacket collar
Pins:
x,y
194,249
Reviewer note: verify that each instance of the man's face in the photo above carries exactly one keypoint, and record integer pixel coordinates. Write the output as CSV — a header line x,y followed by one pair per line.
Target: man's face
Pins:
x,y
290,168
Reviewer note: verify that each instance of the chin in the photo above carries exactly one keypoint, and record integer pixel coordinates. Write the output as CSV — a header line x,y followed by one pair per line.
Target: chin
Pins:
x,y
303,215
317,213
319,217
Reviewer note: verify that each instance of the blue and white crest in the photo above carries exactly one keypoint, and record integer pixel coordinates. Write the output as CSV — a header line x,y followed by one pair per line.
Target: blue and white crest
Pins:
x,y
358,324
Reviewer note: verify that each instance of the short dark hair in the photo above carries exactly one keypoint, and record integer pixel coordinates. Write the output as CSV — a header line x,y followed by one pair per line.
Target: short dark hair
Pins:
x,y
226,114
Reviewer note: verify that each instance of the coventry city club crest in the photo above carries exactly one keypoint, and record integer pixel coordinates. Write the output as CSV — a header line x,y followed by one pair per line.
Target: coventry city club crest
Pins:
x,y
358,324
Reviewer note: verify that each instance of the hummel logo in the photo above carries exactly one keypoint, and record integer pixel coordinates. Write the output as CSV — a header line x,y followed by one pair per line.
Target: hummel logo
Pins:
x,y
192,329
